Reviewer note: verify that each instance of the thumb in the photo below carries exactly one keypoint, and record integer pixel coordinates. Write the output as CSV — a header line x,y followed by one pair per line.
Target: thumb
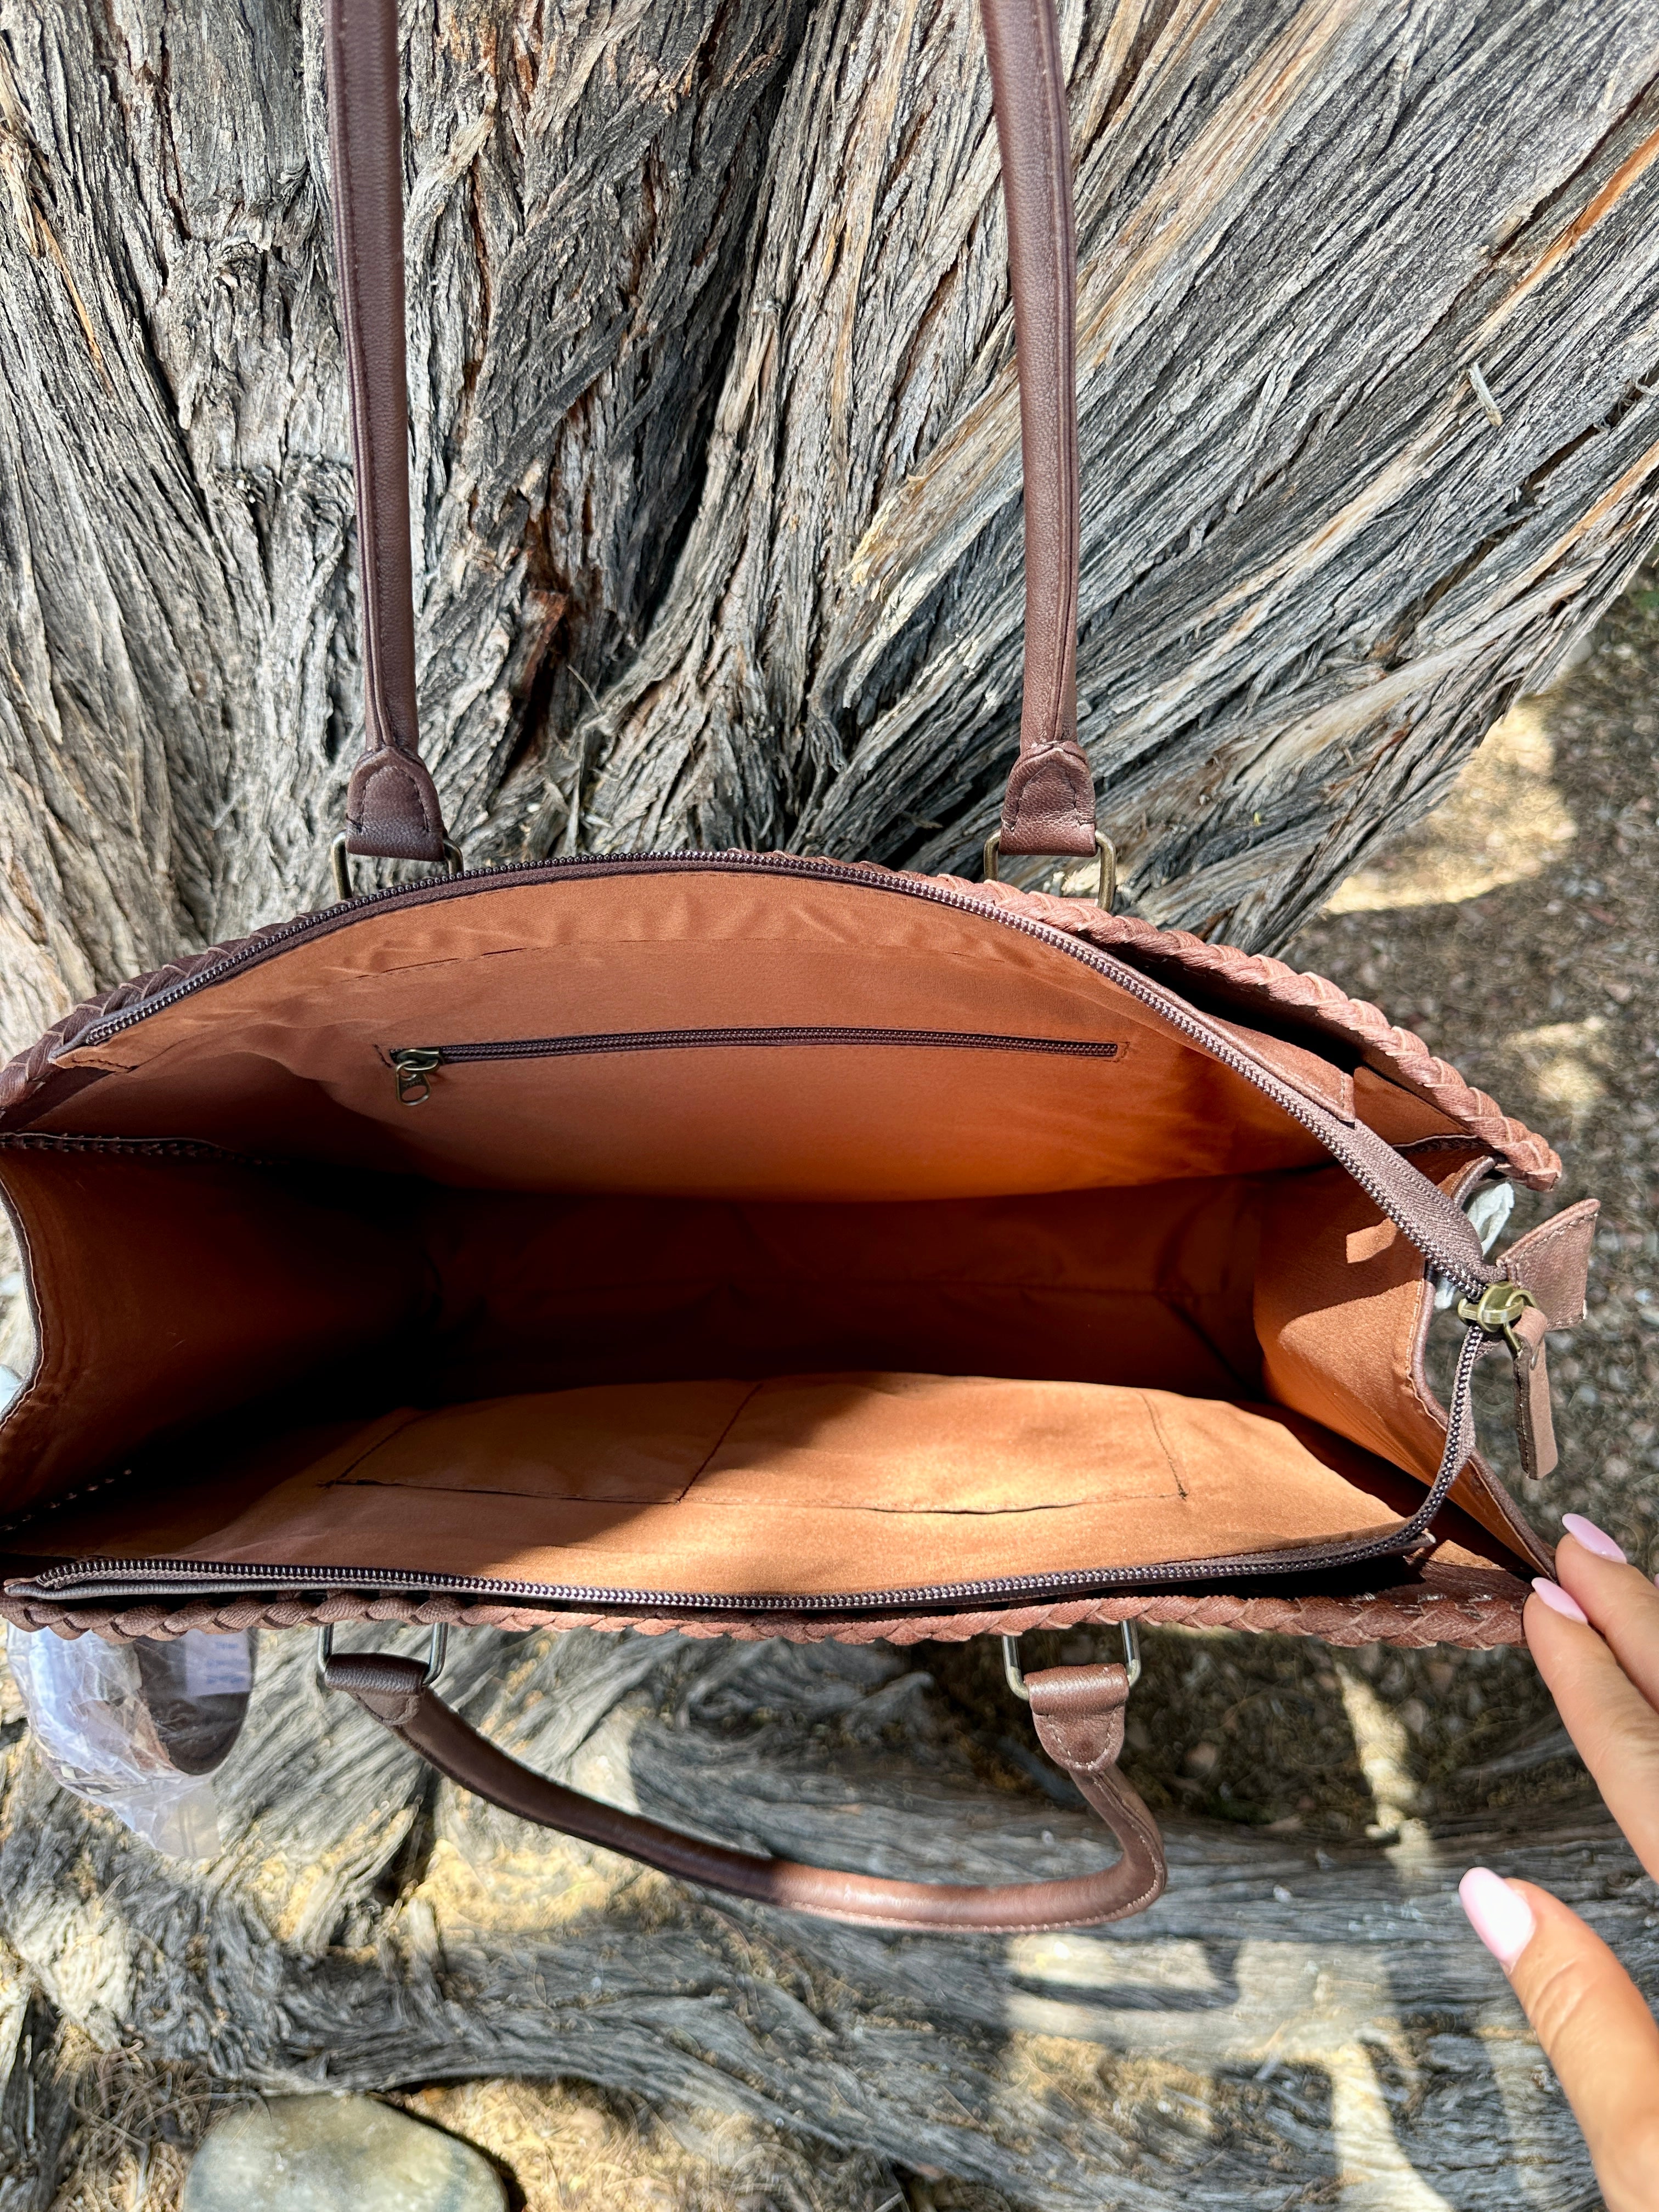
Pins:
x,y
1592,2021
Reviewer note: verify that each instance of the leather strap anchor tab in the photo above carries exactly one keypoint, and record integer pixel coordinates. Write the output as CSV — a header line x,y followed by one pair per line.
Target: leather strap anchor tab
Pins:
x,y
1549,1269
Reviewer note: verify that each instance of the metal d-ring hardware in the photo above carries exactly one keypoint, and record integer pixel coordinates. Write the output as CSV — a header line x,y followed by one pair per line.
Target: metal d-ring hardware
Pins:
x,y
436,1652
1497,1311
1016,1673
1106,891
340,862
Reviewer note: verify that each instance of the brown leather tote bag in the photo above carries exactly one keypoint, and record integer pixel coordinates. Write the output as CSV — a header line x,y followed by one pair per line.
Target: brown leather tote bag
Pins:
x,y
757,1245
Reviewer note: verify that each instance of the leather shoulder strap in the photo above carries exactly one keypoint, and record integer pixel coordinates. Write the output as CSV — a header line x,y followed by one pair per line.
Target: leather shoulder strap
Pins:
x,y
1049,805
1079,1711
391,808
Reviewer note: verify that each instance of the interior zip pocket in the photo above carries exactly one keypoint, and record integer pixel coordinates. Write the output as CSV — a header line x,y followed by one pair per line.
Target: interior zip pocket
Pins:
x,y
414,1065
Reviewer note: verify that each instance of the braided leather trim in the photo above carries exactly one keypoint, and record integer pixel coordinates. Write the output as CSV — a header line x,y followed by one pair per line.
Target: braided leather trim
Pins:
x,y
29,1068
1251,980
1479,1610
1255,981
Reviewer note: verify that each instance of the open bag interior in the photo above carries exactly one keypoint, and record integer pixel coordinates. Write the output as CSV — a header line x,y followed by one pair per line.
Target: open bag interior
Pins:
x,y
735,1237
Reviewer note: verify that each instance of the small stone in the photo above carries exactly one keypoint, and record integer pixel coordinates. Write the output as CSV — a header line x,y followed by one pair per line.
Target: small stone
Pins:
x,y
1200,1760
321,2153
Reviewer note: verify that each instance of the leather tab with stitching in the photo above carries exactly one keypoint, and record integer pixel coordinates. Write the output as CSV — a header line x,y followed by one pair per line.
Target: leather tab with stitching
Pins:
x,y
1049,805
1535,1423
392,811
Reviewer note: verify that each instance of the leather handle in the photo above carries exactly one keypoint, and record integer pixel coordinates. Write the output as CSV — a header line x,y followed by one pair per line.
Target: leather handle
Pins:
x,y
1049,803
392,810
1079,1711
392,805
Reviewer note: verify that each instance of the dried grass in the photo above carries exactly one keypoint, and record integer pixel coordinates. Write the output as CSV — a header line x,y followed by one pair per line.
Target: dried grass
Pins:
x,y
134,2124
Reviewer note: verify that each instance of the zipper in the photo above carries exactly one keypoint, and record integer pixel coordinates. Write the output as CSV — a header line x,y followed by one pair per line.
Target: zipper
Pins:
x,y
412,1067
1366,1156
174,1578
414,1064
88,1579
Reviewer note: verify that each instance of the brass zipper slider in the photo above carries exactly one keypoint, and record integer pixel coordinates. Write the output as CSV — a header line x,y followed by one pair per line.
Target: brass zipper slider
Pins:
x,y
412,1066
1497,1311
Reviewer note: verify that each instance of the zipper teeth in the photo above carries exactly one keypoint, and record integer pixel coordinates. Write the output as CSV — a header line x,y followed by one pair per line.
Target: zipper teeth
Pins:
x,y
177,1577
251,955
604,1041
1455,1265
184,1577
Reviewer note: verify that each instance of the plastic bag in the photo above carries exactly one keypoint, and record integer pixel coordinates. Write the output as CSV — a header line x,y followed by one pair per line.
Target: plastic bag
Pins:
x,y
138,1728
1489,1210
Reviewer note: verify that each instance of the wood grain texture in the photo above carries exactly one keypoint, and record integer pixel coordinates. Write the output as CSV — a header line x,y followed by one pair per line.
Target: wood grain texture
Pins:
x,y
1287,2020
714,434
716,513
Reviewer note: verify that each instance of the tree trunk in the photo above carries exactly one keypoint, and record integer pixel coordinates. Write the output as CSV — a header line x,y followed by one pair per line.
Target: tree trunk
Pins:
x,y
717,541
716,446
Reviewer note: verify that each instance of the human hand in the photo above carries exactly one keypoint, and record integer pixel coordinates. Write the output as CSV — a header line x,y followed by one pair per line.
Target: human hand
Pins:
x,y
1596,1638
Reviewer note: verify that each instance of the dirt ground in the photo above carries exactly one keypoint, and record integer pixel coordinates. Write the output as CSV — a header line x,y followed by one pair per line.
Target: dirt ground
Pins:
x,y
1517,931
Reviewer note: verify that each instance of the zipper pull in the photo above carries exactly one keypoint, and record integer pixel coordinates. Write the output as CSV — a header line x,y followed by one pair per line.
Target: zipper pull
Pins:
x,y
412,1066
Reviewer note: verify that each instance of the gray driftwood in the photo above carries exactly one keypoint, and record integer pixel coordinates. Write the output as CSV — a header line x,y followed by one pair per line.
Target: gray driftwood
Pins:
x,y
1290,2025
717,524
714,434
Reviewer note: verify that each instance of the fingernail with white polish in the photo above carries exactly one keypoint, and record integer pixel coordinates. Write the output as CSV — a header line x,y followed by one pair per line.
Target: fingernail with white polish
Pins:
x,y
1499,1915
1558,1600
1592,1538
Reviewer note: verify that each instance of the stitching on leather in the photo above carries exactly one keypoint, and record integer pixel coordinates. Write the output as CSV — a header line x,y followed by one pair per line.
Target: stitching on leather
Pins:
x,y
341,143
351,281
1056,705
392,1711
1074,1759
1562,1229
1546,1234
404,764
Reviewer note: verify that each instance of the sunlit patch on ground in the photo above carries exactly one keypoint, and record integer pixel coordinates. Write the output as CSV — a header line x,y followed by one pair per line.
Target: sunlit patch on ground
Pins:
x,y
1504,823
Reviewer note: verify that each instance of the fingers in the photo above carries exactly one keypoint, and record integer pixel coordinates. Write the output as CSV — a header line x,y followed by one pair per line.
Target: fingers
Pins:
x,y
1621,1601
1594,2023
1598,1667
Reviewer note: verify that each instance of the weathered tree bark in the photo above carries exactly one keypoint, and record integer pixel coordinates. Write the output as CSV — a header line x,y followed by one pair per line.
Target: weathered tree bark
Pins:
x,y
717,523
1293,2023
714,434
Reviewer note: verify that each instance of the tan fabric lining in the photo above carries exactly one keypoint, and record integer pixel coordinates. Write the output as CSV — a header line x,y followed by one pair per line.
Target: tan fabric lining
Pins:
x,y
807,1485
291,1056
711,1219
